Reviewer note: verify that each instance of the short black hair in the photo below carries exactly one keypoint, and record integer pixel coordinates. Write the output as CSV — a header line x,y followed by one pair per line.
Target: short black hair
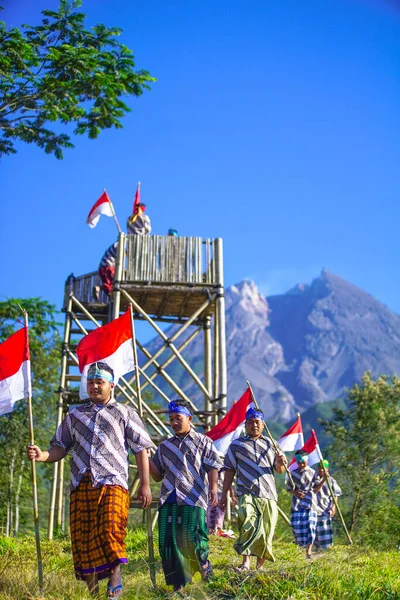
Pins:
x,y
142,204
104,366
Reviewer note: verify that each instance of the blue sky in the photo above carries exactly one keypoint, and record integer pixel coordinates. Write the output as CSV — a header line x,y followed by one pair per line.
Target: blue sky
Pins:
x,y
273,124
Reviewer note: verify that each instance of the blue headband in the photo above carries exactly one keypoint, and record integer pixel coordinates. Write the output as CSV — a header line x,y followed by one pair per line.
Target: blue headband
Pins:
x,y
177,408
252,413
301,457
95,373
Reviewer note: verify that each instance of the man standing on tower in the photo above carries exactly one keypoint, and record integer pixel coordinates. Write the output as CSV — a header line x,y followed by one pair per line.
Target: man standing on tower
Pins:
x,y
98,434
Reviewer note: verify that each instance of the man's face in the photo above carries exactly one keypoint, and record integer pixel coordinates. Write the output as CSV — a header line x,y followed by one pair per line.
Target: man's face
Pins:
x,y
302,463
99,390
180,423
321,471
254,427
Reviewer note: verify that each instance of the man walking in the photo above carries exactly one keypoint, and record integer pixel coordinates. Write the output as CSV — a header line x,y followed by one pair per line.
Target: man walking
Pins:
x,y
98,434
187,464
326,508
253,459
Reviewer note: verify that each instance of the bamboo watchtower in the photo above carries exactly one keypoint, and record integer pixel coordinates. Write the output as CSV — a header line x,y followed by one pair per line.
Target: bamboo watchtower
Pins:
x,y
166,280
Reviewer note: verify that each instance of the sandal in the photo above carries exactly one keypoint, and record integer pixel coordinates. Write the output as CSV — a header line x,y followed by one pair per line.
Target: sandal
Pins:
x,y
241,569
112,590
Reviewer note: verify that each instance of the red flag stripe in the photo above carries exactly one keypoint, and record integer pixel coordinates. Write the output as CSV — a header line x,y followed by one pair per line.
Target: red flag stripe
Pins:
x,y
103,198
233,418
104,341
13,352
309,446
295,428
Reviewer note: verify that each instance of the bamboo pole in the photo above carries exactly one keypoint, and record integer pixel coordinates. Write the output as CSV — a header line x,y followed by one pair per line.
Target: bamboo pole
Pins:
x,y
119,266
335,502
113,211
275,445
207,368
220,301
33,474
150,540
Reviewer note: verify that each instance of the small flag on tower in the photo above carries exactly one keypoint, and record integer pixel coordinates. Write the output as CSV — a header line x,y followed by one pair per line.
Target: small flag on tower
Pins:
x,y
15,370
112,344
103,206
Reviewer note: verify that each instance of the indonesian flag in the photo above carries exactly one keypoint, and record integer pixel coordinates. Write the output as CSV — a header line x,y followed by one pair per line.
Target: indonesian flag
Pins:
x,y
101,207
312,448
136,201
229,428
293,438
112,344
15,370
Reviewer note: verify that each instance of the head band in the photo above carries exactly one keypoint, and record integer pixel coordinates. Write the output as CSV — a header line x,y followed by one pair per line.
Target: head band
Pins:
x,y
324,463
177,408
95,373
252,413
301,457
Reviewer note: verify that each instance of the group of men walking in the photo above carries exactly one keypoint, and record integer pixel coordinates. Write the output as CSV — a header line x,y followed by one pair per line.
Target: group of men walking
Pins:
x,y
99,434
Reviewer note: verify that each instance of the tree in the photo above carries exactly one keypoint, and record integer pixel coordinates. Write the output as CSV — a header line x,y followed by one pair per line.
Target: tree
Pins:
x,y
60,72
366,455
45,346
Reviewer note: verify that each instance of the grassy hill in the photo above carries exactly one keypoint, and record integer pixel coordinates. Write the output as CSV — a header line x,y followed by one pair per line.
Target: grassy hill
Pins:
x,y
343,573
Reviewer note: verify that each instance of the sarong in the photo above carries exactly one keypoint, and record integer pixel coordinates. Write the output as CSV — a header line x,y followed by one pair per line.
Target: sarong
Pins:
x,y
215,517
257,519
324,533
304,524
183,543
98,519
107,274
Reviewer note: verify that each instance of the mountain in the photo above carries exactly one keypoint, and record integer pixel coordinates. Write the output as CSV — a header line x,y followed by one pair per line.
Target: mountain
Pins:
x,y
299,348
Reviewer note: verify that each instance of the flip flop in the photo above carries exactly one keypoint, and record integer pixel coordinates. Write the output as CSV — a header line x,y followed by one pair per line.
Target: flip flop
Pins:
x,y
241,569
112,590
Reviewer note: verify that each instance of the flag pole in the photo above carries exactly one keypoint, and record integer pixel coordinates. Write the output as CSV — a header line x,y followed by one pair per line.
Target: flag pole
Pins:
x,y
335,502
275,445
113,211
33,473
150,541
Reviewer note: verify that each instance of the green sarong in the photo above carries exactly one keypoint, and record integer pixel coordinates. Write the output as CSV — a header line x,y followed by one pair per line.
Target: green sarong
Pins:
x,y
257,519
183,543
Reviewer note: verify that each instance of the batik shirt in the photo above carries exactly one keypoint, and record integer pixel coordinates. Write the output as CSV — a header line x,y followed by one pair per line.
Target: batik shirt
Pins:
x,y
109,256
304,481
98,437
254,461
184,464
324,498
140,226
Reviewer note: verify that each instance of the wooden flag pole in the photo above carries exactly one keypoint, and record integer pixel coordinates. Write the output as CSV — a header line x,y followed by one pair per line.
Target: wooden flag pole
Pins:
x,y
150,540
335,502
33,473
275,445
113,212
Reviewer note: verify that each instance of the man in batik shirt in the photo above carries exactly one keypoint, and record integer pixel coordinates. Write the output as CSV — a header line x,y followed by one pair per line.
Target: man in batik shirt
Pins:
x,y
326,508
303,518
187,464
253,459
98,435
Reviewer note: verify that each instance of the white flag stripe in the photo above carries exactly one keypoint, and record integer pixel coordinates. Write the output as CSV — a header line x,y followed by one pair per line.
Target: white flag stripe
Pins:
x,y
14,388
103,209
313,459
223,443
292,442
121,362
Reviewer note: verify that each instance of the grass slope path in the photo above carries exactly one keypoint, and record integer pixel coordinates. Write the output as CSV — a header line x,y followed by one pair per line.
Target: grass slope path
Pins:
x,y
343,573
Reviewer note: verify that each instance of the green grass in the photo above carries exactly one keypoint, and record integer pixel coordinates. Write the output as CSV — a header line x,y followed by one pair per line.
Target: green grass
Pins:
x,y
342,573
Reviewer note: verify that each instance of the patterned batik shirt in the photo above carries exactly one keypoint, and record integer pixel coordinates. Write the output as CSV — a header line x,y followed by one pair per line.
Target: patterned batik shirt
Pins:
x,y
140,226
324,498
98,438
184,463
109,256
304,481
254,462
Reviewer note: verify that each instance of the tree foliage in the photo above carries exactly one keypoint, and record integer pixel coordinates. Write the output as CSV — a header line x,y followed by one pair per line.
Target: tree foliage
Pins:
x,y
60,72
366,455
45,349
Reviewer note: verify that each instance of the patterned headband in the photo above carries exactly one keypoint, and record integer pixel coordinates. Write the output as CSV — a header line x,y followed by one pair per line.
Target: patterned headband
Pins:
x,y
95,372
252,413
177,408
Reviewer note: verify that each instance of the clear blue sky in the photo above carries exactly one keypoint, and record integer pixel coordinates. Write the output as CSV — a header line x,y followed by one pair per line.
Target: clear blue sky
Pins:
x,y
273,124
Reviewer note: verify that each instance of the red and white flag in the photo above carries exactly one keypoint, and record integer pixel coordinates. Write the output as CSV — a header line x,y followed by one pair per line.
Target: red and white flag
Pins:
x,y
136,201
112,344
229,428
15,370
312,448
103,206
293,438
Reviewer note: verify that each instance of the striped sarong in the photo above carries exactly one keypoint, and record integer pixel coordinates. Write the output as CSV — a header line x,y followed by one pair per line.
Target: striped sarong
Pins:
x,y
98,520
304,524
183,543
324,533
257,519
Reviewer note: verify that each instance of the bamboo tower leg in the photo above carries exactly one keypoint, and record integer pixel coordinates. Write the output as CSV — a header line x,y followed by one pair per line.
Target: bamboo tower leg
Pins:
x,y
207,369
216,365
221,328
119,268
